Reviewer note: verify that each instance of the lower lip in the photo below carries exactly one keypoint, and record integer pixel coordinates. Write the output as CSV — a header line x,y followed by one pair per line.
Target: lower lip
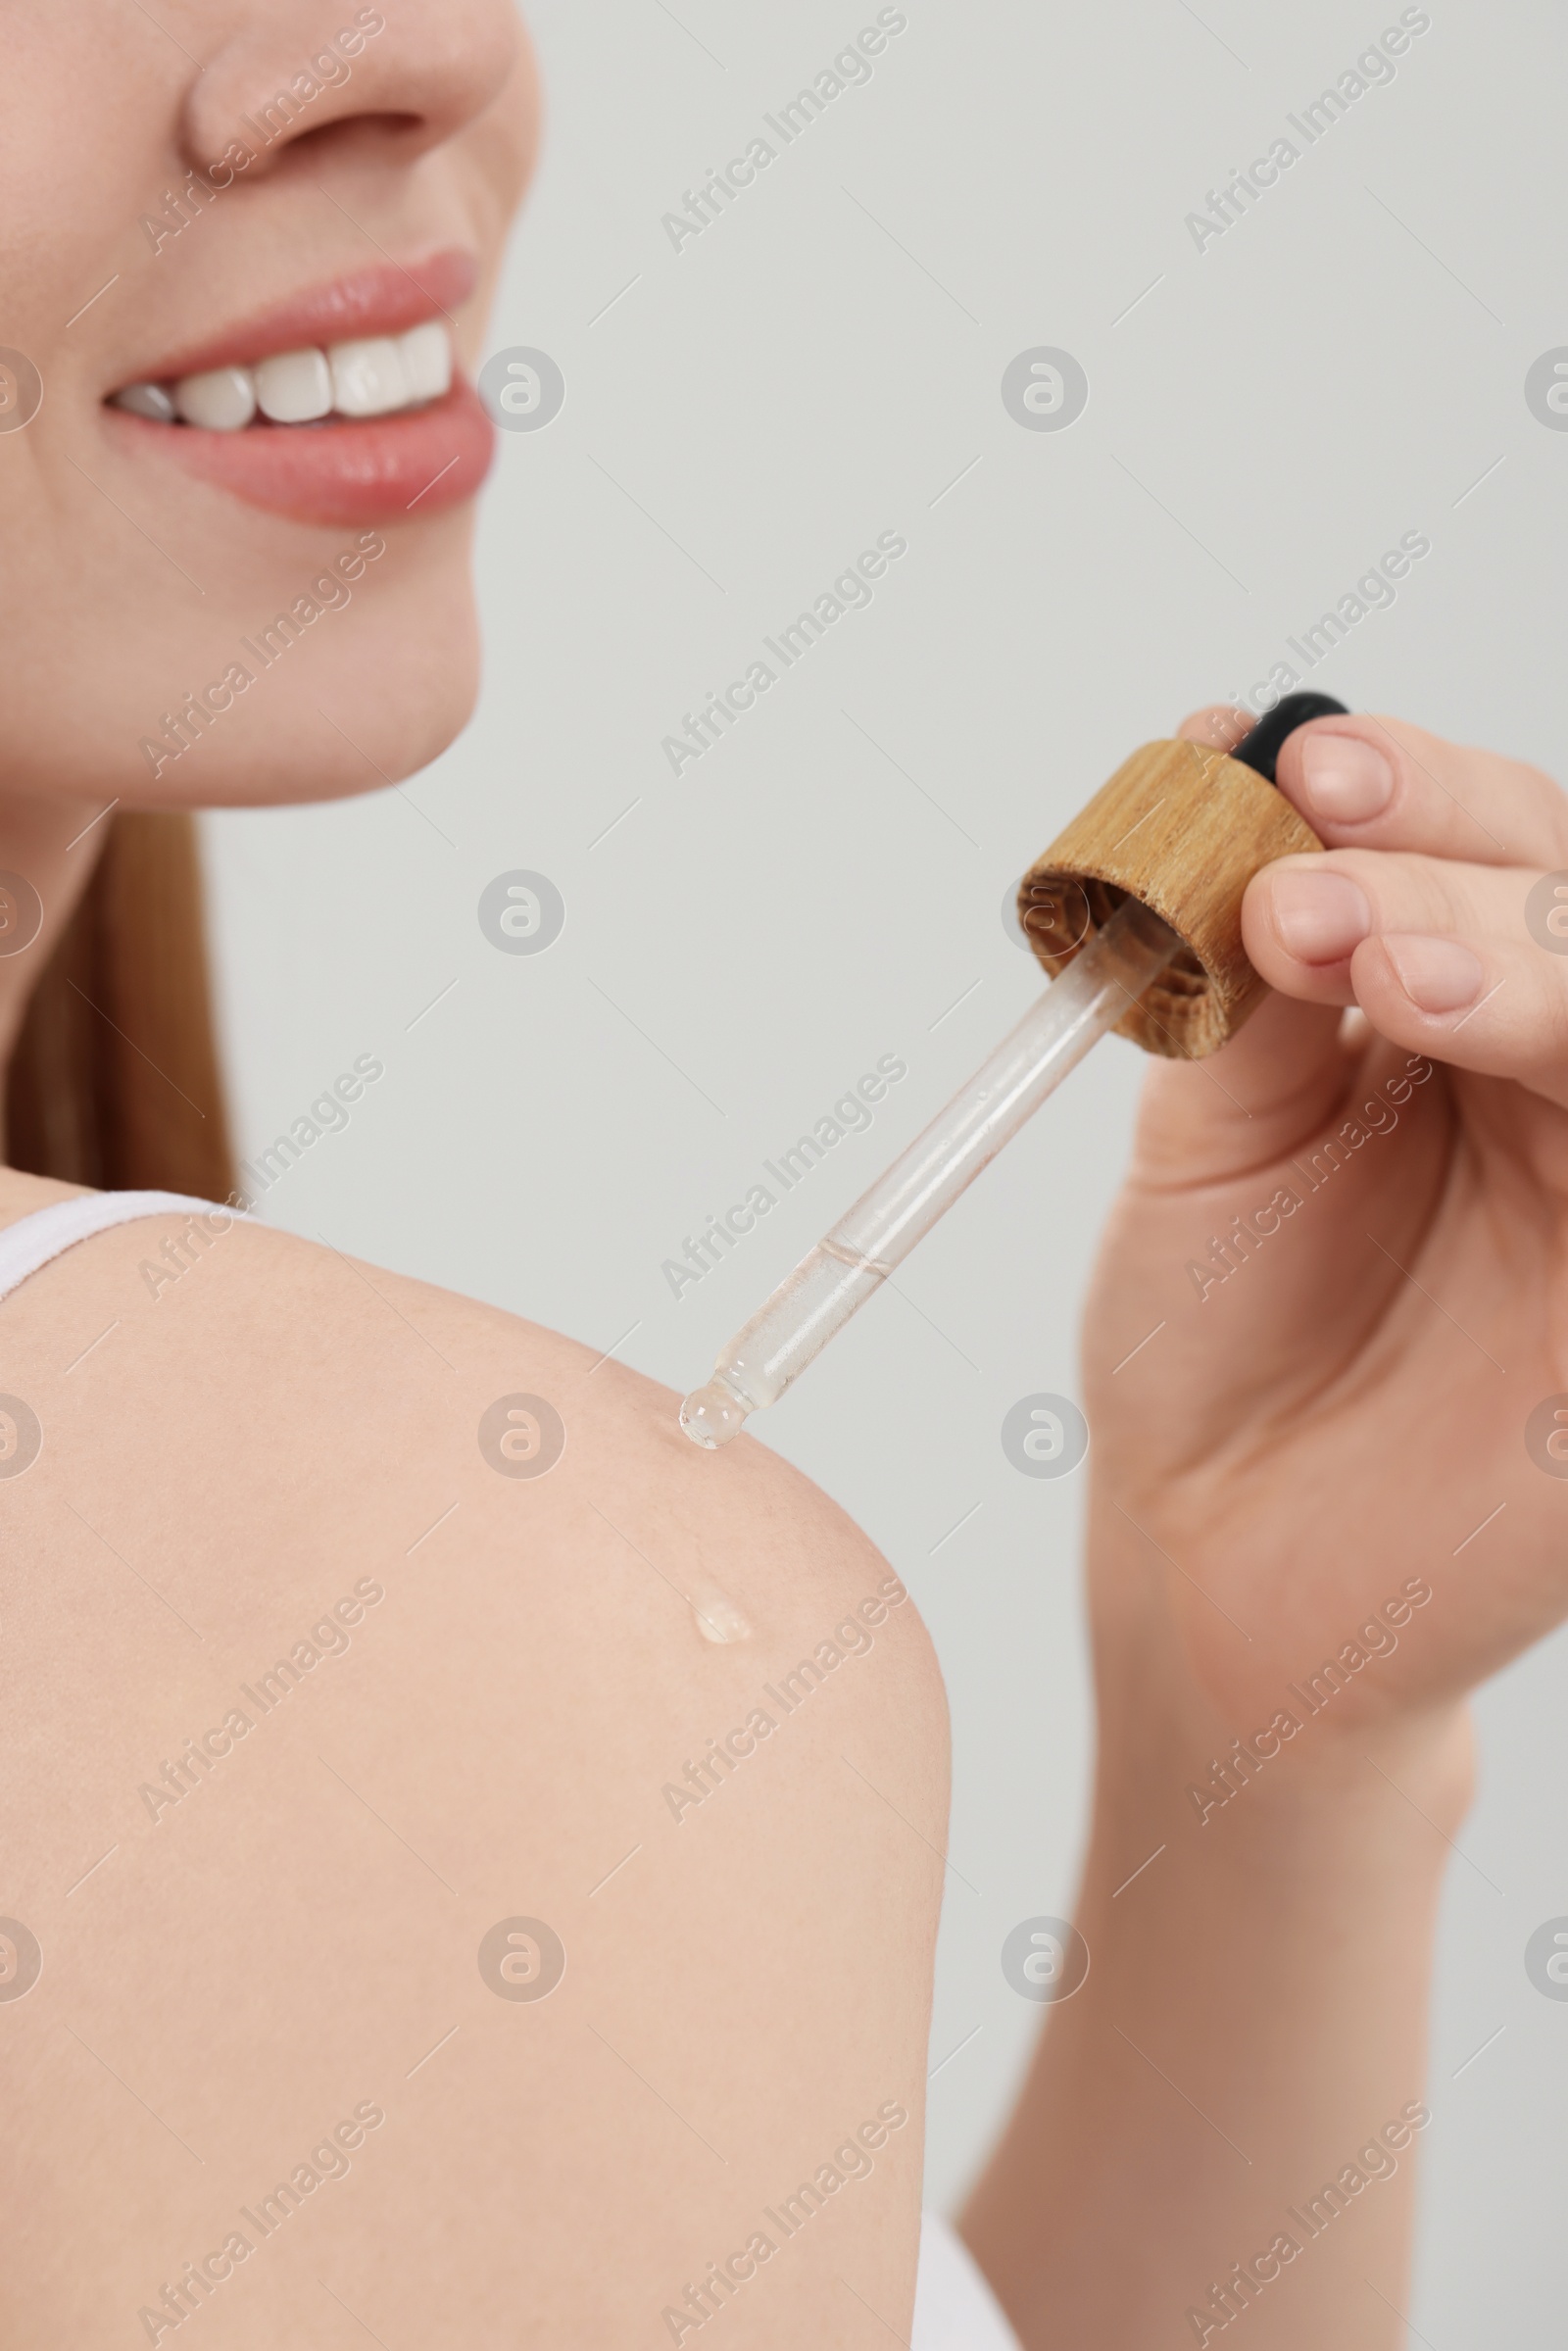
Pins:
x,y
367,470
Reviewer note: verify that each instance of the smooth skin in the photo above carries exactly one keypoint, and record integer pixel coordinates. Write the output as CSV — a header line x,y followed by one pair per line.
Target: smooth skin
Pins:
x,y
233,1981
228,1976
1335,1419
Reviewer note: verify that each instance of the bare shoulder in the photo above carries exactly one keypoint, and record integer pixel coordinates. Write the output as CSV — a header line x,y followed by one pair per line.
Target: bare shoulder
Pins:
x,y
395,1857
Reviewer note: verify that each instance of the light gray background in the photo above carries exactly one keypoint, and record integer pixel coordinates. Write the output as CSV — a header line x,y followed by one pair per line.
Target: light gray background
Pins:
x,y
823,364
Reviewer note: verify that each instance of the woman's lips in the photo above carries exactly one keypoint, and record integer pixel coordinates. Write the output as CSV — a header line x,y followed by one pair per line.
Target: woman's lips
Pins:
x,y
345,469
381,300
370,469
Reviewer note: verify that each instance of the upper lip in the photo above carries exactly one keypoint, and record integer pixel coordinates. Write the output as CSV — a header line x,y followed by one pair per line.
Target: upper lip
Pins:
x,y
381,300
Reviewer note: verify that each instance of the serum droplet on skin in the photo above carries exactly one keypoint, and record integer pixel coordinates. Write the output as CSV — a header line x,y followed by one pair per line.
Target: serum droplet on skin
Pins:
x,y
716,1616
711,1416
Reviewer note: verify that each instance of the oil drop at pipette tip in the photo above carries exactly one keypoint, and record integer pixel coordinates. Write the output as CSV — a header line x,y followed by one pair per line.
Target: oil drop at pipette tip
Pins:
x,y
711,1416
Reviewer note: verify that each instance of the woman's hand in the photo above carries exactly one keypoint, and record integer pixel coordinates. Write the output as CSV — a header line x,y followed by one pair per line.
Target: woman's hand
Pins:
x,y
1324,1354
1348,1403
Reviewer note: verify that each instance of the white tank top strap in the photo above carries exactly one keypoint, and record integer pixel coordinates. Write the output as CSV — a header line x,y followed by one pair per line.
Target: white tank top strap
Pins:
x,y
34,1241
954,2308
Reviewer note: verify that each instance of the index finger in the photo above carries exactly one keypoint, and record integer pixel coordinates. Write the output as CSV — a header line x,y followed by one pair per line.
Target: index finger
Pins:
x,y
1363,781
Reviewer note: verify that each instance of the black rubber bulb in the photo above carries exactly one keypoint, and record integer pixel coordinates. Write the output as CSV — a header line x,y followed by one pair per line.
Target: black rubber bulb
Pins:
x,y
1260,750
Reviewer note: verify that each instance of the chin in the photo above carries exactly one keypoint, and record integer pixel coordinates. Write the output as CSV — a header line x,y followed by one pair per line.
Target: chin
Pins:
x,y
316,680
340,727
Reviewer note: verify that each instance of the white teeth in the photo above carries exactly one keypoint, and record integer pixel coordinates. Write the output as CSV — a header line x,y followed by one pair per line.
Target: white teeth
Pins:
x,y
367,378
147,400
295,387
427,360
222,401
373,375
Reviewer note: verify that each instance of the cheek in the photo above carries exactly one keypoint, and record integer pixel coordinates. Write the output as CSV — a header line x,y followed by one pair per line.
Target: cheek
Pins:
x,y
501,147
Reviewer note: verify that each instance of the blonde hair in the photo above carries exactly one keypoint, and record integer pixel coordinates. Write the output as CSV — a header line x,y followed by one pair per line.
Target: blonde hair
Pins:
x,y
115,1080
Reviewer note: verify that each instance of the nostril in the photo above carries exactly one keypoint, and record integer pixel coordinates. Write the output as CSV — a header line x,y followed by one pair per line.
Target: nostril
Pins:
x,y
383,126
387,134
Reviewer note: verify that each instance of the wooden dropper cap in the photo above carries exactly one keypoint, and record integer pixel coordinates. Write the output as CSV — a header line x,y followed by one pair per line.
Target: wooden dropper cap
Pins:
x,y
1184,829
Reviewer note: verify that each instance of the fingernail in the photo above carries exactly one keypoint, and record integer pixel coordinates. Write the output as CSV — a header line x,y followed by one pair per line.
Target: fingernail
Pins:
x,y
1437,975
1320,916
1344,778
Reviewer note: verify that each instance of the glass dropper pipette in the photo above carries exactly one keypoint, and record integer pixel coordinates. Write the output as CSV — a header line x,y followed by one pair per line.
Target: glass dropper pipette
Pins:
x,y
850,1264
1090,996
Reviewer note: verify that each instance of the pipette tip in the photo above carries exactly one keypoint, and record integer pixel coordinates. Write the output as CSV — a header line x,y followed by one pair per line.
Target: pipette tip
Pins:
x,y
711,1416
